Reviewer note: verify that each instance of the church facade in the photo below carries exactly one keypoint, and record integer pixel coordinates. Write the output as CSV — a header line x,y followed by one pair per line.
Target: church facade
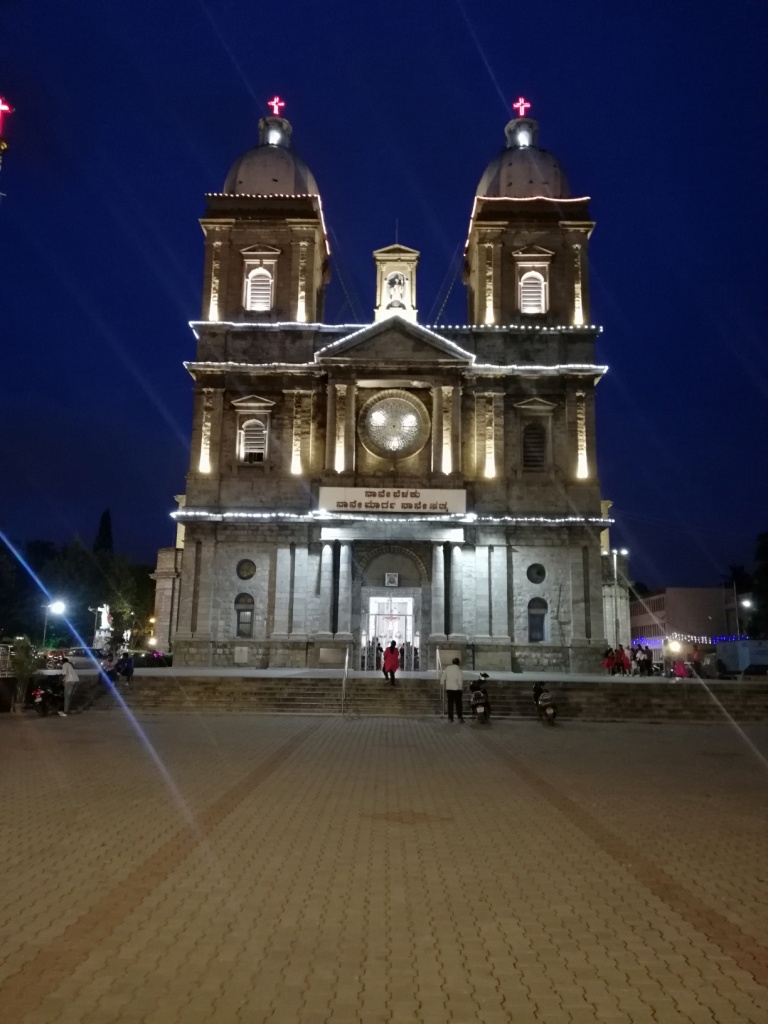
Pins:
x,y
351,485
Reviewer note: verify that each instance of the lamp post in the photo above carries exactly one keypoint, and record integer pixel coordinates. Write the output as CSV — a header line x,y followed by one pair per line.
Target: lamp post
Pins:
x,y
56,608
615,553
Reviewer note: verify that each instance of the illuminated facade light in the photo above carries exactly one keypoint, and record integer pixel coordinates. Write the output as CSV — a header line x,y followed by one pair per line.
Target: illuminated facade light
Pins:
x,y
277,105
582,466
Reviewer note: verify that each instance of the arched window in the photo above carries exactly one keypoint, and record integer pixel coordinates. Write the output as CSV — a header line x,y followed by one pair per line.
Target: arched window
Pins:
x,y
244,615
534,446
253,441
533,297
258,292
537,620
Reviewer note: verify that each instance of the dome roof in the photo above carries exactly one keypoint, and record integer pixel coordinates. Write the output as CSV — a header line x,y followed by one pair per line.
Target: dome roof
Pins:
x,y
522,170
272,168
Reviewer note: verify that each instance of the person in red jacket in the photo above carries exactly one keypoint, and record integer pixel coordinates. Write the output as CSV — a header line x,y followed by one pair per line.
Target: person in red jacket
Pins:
x,y
391,662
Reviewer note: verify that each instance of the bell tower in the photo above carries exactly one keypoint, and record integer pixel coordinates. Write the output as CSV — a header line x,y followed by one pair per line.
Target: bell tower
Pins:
x,y
526,256
266,248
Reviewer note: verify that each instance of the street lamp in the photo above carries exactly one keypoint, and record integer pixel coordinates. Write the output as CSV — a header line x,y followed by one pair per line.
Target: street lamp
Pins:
x,y
56,608
615,553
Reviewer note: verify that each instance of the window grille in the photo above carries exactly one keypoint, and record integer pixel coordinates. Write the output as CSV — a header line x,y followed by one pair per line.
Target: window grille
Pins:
x,y
259,291
244,613
532,293
537,618
253,441
534,446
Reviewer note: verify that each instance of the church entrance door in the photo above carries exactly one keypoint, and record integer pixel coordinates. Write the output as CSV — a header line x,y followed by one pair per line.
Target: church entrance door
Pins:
x,y
388,619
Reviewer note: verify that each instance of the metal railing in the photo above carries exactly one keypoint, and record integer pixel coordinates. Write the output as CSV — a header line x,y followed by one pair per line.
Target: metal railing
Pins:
x,y
344,681
439,670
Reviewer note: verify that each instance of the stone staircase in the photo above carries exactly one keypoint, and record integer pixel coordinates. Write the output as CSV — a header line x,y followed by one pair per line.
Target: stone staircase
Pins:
x,y
609,700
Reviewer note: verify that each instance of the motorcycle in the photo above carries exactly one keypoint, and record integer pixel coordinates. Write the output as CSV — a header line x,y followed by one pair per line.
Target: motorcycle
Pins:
x,y
48,697
480,704
546,706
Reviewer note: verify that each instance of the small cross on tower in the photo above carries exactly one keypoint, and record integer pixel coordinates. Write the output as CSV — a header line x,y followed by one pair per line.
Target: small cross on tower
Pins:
x,y
4,109
521,106
276,104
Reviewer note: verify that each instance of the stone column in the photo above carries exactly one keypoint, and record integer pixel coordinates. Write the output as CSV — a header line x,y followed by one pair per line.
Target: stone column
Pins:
x,y
456,430
482,592
349,428
299,624
580,609
499,584
330,429
438,592
340,444
282,592
456,607
345,593
437,429
326,591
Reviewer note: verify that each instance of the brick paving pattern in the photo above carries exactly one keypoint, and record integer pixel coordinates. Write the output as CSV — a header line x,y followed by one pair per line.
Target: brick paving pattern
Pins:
x,y
298,870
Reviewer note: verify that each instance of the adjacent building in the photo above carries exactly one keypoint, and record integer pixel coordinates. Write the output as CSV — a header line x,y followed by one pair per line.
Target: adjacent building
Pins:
x,y
355,484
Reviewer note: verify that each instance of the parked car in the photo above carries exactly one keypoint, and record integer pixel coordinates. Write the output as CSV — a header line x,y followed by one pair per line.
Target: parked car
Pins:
x,y
84,659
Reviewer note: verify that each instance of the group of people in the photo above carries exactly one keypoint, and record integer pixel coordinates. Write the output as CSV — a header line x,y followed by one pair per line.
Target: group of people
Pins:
x,y
112,669
638,662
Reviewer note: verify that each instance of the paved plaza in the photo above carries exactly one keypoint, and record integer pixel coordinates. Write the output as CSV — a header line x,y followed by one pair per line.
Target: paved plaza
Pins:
x,y
299,870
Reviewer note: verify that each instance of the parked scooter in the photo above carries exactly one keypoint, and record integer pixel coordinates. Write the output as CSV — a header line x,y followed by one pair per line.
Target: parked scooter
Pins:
x,y
480,704
546,706
48,696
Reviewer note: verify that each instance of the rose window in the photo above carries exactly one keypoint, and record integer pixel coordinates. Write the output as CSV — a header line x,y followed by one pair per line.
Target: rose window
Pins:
x,y
394,425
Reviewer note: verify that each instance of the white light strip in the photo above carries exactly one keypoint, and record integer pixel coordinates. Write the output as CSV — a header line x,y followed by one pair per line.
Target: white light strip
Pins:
x,y
516,199
350,338
320,515
357,328
277,195
491,368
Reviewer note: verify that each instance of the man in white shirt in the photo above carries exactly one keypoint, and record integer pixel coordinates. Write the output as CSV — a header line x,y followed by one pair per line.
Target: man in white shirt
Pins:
x,y
452,679
71,679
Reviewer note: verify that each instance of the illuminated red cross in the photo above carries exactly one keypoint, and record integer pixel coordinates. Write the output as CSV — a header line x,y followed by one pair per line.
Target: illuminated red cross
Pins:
x,y
521,105
276,104
4,109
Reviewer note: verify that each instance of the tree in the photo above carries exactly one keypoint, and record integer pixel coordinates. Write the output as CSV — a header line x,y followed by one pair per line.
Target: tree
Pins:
x,y
103,542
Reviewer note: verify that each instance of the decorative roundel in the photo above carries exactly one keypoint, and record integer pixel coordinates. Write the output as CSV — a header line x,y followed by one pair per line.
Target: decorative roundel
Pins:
x,y
394,425
246,569
536,573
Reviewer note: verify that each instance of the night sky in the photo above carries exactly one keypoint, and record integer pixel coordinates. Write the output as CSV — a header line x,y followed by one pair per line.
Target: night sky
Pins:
x,y
127,114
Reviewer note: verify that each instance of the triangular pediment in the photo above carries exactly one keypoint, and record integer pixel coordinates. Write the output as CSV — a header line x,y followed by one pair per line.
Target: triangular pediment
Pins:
x,y
394,340
535,405
260,250
252,402
533,252
395,250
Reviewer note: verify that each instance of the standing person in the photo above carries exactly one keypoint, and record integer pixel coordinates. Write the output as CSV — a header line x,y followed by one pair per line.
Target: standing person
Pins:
x,y
452,679
680,670
128,667
109,667
696,660
622,661
71,679
648,661
609,660
391,662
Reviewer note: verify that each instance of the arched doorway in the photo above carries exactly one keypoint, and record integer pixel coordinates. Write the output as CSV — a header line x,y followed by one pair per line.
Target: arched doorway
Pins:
x,y
393,584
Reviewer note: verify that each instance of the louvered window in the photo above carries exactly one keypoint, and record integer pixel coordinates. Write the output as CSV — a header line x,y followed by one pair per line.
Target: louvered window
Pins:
x,y
537,620
253,441
244,613
534,446
258,297
532,293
